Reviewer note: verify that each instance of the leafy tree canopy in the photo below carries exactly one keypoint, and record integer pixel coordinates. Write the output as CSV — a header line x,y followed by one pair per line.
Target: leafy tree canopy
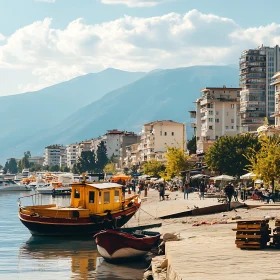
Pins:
x,y
265,162
110,168
153,168
192,145
101,156
86,162
226,155
11,166
177,161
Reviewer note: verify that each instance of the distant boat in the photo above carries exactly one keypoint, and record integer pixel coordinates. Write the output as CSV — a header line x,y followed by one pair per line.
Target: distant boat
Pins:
x,y
9,185
93,207
118,245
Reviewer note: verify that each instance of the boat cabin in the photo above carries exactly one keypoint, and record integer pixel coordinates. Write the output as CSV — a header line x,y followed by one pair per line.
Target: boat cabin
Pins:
x,y
96,197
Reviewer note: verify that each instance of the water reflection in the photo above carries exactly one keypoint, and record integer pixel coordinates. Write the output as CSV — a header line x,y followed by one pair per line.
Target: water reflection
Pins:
x,y
73,259
77,255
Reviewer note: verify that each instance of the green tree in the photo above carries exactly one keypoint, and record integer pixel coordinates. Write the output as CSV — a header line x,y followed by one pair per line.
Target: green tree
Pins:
x,y
101,156
110,168
11,166
1,166
192,145
177,161
27,154
153,168
64,169
265,162
54,168
86,162
75,169
35,167
226,155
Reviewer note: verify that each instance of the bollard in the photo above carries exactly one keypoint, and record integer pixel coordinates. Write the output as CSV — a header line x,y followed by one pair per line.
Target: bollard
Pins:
x,y
146,192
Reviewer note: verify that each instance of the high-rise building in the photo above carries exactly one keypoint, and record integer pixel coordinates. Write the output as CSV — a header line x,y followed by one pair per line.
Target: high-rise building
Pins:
x,y
276,84
217,114
52,154
257,67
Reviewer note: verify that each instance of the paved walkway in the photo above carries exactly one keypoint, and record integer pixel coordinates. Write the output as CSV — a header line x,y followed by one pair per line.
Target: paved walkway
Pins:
x,y
209,252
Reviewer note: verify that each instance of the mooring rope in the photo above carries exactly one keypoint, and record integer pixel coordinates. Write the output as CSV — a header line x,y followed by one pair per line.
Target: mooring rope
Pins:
x,y
148,213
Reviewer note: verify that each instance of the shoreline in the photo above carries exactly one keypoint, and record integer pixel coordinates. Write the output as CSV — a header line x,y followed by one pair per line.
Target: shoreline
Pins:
x,y
207,242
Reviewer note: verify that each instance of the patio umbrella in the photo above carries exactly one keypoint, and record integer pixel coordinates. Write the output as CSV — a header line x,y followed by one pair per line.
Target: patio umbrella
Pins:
x,y
248,176
223,178
199,176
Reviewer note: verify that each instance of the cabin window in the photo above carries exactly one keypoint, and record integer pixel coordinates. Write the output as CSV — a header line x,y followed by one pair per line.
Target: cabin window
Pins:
x,y
77,193
106,197
91,197
117,196
100,198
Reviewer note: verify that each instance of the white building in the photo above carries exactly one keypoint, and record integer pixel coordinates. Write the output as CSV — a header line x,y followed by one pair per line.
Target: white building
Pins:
x,y
157,135
71,154
52,155
276,84
112,141
85,146
217,114
37,160
63,157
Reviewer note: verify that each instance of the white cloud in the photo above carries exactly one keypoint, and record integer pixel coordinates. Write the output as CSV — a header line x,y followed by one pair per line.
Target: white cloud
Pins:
x,y
47,55
2,37
135,3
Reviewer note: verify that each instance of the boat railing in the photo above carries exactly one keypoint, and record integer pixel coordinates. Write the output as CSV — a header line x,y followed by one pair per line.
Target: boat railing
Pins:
x,y
37,199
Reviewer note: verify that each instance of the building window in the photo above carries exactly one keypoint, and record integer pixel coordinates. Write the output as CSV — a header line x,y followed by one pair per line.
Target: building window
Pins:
x,y
117,196
207,137
226,127
232,120
217,120
91,197
210,127
232,127
172,133
232,106
161,133
106,197
210,119
165,133
76,193
217,137
217,113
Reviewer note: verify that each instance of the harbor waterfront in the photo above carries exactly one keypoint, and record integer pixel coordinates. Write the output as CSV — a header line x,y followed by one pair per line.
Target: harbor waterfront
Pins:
x,y
23,256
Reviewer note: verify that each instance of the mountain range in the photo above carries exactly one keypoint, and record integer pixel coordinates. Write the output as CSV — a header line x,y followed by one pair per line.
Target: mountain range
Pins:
x,y
88,106
137,99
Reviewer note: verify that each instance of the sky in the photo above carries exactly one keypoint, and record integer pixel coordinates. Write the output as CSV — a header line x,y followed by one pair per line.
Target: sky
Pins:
x,y
44,42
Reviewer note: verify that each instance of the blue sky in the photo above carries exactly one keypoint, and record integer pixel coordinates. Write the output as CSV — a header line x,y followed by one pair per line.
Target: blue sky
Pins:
x,y
43,42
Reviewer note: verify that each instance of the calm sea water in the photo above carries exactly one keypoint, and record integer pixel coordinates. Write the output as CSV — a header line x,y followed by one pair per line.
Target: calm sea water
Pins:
x,y
23,256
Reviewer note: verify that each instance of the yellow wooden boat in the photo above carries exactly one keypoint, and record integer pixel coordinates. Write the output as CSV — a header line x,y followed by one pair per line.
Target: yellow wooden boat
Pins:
x,y
93,207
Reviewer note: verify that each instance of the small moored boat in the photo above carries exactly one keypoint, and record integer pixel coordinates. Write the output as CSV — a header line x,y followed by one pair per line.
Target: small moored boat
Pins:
x,y
117,245
93,207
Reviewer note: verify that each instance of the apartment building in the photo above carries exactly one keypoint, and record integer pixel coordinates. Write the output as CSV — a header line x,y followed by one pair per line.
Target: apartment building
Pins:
x,y
217,114
52,154
63,157
276,83
85,146
112,141
126,139
132,156
157,135
71,154
37,160
257,67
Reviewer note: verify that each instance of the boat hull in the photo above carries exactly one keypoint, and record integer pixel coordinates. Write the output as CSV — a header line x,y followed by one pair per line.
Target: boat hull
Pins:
x,y
15,188
117,245
45,226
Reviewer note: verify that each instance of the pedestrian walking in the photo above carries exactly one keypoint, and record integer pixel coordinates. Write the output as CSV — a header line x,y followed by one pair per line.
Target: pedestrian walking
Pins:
x,y
202,189
186,190
229,191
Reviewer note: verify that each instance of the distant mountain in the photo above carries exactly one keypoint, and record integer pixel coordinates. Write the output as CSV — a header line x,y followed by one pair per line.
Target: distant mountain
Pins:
x,y
24,116
166,94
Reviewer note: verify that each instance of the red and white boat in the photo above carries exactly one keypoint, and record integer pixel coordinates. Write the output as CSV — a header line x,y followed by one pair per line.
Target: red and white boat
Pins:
x,y
116,245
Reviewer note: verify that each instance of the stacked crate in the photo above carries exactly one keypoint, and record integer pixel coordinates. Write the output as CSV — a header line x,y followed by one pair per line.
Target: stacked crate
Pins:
x,y
276,234
252,234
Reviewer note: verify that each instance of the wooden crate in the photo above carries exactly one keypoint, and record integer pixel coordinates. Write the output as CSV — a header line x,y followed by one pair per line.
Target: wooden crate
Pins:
x,y
252,234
